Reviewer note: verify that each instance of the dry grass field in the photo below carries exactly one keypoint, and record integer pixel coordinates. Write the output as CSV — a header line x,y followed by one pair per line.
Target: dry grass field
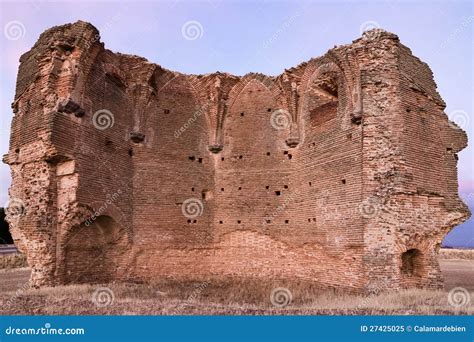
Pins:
x,y
449,253
244,298
12,261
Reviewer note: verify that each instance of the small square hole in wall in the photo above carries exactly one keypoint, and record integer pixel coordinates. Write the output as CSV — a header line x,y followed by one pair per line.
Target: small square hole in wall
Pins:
x,y
268,153
269,110
313,144
285,186
222,189
195,221
343,181
278,193
192,189
221,222
200,160
290,156
240,188
166,111
222,158
285,152
240,157
242,114
309,220
314,219
239,222
349,136
192,158
309,183
189,221
130,152
267,187
449,149
268,221
287,221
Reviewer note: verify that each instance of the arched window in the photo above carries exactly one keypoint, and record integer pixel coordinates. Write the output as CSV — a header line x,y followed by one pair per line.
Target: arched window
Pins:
x,y
412,262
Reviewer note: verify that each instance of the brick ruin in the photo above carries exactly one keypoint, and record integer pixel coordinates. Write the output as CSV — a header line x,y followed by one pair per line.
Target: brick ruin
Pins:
x,y
340,171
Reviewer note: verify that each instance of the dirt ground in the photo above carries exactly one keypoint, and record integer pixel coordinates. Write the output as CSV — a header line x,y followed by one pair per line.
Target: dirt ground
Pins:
x,y
458,273
231,299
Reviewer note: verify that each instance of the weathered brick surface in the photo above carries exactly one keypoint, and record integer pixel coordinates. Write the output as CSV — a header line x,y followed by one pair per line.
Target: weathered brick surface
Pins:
x,y
340,171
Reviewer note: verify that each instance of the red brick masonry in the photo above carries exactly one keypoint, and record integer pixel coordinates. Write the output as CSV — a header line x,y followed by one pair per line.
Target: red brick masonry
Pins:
x,y
340,171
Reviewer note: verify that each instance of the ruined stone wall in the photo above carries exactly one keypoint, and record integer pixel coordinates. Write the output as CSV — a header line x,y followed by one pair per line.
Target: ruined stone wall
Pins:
x,y
340,171
409,194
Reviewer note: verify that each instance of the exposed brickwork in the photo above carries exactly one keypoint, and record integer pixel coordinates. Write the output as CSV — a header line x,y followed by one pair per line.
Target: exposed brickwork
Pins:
x,y
340,171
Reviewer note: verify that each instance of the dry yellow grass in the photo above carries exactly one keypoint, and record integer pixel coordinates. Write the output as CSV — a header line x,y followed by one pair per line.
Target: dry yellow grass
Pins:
x,y
448,253
217,299
233,298
9,261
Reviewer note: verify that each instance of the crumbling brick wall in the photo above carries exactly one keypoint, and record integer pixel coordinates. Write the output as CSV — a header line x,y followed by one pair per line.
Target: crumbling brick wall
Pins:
x,y
340,171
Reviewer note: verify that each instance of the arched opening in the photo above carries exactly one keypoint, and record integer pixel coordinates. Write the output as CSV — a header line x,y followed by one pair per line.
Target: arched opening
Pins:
x,y
322,98
253,145
412,263
323,114
93,251
184,150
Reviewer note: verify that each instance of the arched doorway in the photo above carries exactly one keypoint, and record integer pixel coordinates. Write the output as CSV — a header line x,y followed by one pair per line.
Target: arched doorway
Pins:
x,y
412,263
93,251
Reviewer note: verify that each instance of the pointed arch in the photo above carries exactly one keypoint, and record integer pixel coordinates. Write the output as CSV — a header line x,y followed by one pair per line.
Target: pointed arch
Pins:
x,y
347,96
266,81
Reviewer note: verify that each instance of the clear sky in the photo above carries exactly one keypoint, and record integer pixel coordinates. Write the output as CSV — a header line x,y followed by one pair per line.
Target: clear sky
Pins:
x,y
261,36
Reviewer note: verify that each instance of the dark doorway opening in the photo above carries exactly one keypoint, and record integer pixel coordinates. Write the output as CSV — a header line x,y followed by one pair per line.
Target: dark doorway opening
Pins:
x,y
412,262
